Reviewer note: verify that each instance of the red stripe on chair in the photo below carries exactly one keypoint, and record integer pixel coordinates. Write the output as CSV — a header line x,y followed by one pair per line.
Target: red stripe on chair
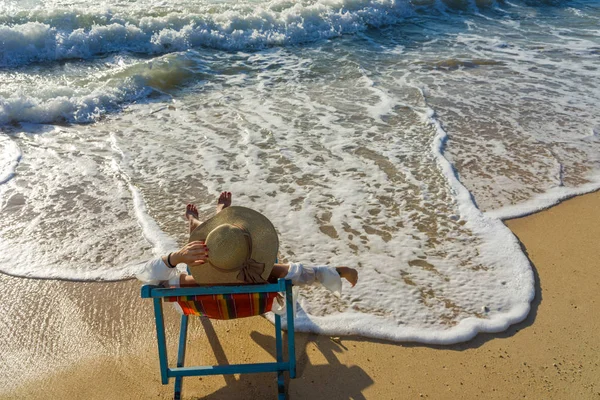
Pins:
x,y
227,306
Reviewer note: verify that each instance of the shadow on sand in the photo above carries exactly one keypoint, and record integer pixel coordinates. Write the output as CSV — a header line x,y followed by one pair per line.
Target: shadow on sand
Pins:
x,y
330,380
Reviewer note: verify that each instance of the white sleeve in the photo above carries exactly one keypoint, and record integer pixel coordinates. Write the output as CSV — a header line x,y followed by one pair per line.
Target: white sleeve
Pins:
x,y
329,277
324,274
300,275
156,271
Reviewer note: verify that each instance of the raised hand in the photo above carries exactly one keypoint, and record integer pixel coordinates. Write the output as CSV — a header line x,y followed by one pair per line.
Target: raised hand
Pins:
x,y
192,254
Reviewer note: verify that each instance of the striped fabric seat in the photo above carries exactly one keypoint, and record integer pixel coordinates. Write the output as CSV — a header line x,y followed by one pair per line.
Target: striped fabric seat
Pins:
x,y
225,306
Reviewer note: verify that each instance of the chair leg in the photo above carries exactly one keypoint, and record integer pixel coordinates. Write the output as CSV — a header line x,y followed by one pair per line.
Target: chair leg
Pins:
x,y
161,340
181,355
278,339
279,351
280,386
289,299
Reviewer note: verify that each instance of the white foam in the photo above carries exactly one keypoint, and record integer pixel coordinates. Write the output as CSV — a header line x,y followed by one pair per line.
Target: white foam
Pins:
x,y
500,249
10,155
78,215
385,104
161,242
543,201
350,323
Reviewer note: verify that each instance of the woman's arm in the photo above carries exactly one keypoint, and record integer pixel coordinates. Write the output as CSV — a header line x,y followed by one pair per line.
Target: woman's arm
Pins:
x,y
278,271
349,274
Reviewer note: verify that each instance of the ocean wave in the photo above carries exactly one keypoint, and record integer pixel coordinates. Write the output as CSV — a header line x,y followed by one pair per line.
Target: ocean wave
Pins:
x,y
41,35
61,35
87,98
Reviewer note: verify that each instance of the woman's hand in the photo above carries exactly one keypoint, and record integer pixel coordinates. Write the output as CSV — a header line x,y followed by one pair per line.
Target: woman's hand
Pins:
x,y
192,254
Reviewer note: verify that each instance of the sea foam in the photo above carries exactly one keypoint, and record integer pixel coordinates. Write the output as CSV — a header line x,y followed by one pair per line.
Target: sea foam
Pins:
x,y
9,160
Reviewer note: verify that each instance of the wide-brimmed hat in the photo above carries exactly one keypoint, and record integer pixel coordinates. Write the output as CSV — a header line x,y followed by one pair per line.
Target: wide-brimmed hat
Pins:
x,y
242,247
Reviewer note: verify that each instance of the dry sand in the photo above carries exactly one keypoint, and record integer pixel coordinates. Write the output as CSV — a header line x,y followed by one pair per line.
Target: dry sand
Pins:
x,y
68,340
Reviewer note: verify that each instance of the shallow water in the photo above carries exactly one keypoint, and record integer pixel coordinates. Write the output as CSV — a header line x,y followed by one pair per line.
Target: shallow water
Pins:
x,y
390,136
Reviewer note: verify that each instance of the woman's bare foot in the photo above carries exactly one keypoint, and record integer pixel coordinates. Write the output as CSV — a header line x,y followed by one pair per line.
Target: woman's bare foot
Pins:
x,y
191,214
349,274
224,201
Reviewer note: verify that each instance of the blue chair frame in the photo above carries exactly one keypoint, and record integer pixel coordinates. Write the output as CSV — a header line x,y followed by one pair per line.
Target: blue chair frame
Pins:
x,y
180,371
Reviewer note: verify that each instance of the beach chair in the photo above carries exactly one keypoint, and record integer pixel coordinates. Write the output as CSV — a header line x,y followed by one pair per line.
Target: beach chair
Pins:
x,y
223,302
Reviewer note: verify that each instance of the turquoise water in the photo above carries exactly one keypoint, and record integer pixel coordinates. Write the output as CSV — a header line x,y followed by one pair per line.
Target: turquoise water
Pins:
x,y
386,135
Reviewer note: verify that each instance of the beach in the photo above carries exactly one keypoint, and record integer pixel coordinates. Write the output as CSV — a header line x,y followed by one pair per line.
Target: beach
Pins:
x,y
414,140
104,346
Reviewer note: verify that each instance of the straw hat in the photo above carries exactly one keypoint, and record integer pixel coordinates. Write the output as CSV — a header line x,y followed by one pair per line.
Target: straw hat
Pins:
x,y
242,247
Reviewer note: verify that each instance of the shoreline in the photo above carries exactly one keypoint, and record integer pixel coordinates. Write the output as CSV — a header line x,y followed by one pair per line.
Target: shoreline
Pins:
x,y
108,350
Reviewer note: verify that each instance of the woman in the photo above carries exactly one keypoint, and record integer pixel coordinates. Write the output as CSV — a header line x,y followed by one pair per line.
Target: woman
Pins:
x,y
235,247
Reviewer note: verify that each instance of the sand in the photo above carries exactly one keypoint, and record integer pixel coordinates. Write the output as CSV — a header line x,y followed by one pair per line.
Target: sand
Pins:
x,y
74,340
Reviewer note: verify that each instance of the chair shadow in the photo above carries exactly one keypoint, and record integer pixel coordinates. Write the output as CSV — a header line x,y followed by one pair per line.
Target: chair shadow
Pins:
x,y
331,380
216,347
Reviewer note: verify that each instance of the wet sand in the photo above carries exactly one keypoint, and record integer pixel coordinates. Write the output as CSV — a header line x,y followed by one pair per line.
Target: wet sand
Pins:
x,y
74,340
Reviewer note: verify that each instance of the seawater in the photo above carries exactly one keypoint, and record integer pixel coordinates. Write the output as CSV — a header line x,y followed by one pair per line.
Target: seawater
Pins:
x,y
391,136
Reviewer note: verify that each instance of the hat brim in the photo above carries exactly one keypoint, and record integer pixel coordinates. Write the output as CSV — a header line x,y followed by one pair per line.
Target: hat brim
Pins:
x,y
265,243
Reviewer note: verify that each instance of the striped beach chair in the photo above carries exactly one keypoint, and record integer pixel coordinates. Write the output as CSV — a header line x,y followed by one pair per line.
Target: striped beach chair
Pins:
x,y
223,302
